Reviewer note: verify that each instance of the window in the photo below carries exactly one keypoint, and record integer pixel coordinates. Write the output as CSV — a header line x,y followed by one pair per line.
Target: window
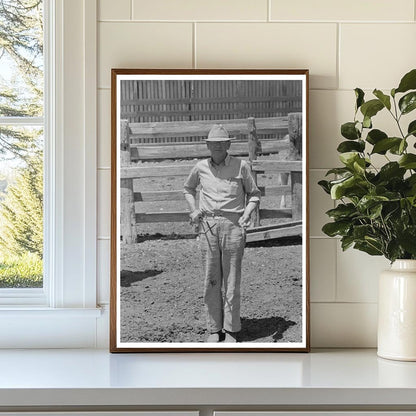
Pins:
x,y
63,313
22,132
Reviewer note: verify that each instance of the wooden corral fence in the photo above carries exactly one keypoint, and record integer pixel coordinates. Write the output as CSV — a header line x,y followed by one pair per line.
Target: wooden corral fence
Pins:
x,y
146,101
130,171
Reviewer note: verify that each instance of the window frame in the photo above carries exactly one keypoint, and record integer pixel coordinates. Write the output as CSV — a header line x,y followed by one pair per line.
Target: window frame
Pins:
x,y
67,304
37,296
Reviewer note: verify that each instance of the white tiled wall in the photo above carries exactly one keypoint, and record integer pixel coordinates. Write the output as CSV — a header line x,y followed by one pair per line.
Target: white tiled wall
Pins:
x,y
345,44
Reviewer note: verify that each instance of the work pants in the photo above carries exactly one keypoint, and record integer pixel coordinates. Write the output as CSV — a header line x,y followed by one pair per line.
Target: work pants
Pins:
x,y
222,243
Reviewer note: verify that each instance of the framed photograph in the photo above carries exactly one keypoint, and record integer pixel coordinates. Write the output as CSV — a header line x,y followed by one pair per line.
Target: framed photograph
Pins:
x,y
209,211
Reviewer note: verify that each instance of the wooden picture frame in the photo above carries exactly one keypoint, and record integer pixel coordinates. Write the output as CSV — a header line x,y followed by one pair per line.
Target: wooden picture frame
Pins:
x,y
160,121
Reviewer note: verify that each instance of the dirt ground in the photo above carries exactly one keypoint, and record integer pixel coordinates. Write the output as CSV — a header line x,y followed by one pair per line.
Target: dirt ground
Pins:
x,y
161,293
162,282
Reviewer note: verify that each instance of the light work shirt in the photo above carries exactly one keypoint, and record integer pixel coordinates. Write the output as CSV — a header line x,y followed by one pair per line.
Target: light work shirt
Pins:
x,y
224,187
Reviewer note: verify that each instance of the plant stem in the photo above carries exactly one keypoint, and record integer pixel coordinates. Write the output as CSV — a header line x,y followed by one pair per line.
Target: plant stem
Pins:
x,y
397,118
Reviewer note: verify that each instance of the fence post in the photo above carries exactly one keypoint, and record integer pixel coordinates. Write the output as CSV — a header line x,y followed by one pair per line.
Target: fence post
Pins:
x,y
253,147
127,210
296,186
295,136
295,153
295,147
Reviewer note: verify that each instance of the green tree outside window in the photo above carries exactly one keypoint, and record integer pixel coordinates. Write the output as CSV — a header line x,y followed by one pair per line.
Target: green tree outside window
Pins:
x,y
21,146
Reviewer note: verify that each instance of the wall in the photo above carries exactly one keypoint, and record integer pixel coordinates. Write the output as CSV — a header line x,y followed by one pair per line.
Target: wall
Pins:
x,y
345,44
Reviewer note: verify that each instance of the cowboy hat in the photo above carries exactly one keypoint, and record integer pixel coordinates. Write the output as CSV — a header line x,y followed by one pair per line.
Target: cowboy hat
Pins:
x,y
218,134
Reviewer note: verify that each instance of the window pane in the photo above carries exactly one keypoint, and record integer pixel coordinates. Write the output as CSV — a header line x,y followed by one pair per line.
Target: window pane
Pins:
x,y
21,208
21,58
21,146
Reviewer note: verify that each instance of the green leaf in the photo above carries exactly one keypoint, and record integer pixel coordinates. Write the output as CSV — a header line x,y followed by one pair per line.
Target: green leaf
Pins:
x,y
404,205
346,185
411,130
411,185
346,242
374,242
368,248
408,82
336,228
385,99
391,170
371,108
338,171
367,122
361,231
391,212
348,158
407,239
359,95
342,211
325,186
375,136
349,146
411,180
338,188
402,147
408,161
349,131
412,201
375,211
408,102
359,165
369,201
383,145
413,210
393,250
340,180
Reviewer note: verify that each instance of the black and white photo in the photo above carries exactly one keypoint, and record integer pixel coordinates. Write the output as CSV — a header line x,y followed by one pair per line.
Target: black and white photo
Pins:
x,y
209,232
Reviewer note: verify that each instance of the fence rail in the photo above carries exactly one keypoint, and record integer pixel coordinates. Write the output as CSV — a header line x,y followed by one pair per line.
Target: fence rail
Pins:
x,y
199,149
201,128
153,196
183,216
214,100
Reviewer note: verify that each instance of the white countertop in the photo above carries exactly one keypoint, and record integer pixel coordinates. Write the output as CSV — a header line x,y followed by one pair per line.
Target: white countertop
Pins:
x,y
96,377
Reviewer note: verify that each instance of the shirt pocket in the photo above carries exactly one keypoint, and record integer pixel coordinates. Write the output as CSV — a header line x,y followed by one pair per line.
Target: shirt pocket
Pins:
x,y
233,186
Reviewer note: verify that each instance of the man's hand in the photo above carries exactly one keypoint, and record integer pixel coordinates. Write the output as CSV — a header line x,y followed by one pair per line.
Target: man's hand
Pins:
x,y
195,216
244,221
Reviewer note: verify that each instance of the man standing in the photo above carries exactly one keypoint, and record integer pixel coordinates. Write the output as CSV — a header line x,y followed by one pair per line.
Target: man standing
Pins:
x,y
228,195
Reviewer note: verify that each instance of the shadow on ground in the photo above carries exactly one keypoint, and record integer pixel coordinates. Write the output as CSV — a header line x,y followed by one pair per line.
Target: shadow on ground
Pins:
x,y
128,277
274,242
165,237
277,242
254,329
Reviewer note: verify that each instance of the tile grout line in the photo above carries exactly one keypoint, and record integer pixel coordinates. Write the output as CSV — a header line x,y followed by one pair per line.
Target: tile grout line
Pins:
x,y
131,10
322,237
306,22
338,63
194,63
269,11
336,271
345,303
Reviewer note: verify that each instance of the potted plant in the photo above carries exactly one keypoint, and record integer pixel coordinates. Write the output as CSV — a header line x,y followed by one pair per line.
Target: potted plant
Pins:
x,y
376,206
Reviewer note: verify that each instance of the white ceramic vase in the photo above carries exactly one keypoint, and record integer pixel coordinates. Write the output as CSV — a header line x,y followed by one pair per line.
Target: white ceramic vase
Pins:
x,y
397,312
